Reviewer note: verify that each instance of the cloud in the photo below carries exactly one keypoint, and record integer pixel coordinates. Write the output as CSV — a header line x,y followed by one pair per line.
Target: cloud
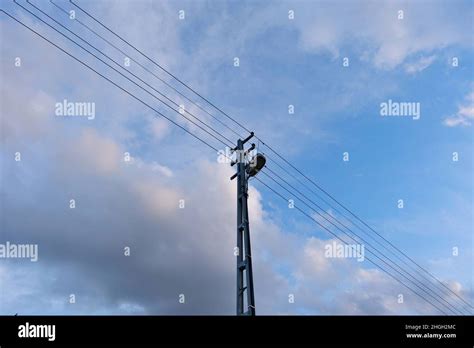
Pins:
x,y
173,251
375,33
93,152
163,170
160,128
419,65
464,115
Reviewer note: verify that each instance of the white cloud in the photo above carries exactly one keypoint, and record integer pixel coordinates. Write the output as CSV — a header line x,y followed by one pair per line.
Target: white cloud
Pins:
x,y
454,121
386,40
419,65
162,170
464,115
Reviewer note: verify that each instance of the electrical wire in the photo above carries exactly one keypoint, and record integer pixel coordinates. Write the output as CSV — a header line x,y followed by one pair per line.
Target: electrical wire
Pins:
x,y
335,235
269,147
210,103
435,296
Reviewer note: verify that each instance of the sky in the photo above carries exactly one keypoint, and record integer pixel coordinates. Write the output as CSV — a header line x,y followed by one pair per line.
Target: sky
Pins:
x,y
335,62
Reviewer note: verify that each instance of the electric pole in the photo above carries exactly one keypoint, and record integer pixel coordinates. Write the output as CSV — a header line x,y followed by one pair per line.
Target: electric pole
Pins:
x,y
244,254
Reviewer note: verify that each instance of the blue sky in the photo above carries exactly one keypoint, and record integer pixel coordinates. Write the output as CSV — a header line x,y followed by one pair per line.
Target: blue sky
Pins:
x,y
282,62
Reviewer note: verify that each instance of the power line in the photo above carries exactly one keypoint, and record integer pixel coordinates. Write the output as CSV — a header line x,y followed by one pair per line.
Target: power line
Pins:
x,y
361,221
265,144
188,99
269,147
442,290
132,80
109,80
161,67
335,235
449,305
145,68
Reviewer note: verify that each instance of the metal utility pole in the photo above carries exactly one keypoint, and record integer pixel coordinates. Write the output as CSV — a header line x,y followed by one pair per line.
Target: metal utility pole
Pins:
x,y
244,255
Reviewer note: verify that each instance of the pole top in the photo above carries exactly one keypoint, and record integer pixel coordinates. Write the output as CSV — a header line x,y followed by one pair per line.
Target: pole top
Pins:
x,y
248,138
